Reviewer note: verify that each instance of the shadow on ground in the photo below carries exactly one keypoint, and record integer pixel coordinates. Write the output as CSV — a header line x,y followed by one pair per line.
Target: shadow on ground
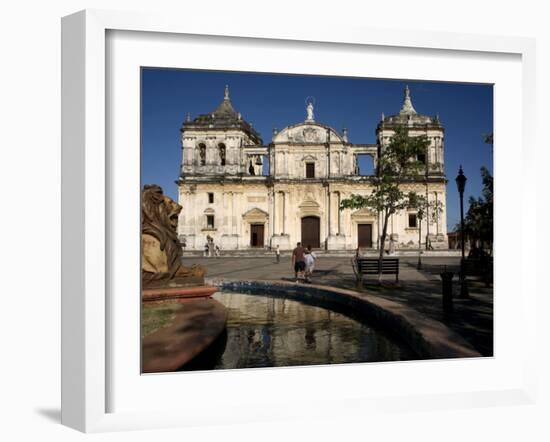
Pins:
x,y
51,414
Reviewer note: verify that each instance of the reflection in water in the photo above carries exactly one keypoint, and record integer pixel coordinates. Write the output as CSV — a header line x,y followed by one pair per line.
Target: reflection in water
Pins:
x,y
264,331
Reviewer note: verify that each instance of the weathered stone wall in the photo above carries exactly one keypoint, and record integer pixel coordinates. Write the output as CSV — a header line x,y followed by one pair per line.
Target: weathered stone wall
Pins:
x,y
242,197
281,207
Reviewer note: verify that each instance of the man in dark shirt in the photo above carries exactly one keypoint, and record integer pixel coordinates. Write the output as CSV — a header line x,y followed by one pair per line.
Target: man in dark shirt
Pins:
x,y
298,260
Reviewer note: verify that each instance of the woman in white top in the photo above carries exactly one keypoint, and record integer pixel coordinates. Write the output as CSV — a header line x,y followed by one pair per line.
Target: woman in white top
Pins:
x,y
310,263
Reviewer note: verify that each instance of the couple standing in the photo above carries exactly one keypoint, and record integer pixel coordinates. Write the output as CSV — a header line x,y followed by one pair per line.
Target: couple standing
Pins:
x,y
303,261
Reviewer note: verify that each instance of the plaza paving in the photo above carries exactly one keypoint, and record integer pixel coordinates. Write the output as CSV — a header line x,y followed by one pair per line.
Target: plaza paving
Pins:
x,y
472,318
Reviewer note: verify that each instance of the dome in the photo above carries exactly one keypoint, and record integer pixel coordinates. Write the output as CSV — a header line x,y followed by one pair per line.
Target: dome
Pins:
x,y
408,116
224,117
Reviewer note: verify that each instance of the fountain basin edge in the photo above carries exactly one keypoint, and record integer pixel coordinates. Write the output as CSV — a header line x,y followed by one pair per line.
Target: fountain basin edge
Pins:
x,y
428,338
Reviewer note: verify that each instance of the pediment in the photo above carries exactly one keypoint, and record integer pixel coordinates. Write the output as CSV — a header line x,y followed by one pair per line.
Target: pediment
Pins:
x,y
313,133
309,204
364,213
309,157
256,213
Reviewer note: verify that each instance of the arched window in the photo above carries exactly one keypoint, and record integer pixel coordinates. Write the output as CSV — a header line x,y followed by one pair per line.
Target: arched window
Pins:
x,y
202,154
221,151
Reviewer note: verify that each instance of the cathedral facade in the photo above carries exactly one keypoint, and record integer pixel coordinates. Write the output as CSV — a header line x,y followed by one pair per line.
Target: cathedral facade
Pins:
x,y
245,194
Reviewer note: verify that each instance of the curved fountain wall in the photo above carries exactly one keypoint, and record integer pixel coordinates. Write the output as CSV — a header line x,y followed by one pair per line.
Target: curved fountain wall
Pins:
x,y
428,338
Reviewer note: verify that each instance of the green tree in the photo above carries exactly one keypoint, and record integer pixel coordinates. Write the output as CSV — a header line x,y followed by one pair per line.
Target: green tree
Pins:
x,y
398,164
478,222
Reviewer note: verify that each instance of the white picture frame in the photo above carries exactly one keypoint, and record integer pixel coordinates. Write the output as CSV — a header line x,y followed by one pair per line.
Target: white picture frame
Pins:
x,y
87,211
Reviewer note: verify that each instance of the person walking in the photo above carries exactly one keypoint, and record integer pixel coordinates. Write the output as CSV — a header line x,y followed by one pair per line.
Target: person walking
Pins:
x,y
210,246
309,259
392,245
313,254
298,261
277,254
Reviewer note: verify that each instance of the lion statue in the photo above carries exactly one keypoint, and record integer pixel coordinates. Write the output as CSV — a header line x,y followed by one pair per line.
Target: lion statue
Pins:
x,y
161,250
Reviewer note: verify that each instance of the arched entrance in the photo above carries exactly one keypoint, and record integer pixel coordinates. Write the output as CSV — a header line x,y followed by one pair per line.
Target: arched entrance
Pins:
x,y
311,231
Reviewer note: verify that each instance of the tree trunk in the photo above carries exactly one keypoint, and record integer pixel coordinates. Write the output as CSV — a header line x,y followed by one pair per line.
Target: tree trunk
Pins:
x,y
382,246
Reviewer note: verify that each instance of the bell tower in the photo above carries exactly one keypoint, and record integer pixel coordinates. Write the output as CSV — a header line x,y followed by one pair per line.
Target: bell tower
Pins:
x,y
213,143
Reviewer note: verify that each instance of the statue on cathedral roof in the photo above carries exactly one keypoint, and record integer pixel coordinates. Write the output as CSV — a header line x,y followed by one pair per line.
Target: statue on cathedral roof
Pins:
x,y
310,117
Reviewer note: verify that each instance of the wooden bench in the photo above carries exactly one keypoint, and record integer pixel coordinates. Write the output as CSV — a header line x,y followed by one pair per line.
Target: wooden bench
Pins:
x,y
370,266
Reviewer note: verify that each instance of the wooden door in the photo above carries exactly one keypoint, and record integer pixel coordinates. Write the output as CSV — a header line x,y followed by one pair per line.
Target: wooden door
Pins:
x,y
311,232
257,235
364,235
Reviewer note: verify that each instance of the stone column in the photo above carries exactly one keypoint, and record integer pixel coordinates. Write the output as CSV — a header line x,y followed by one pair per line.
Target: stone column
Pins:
x,y
208,156
441,154
328,231
437,217
278,209
331,206
190,215
233,214
285,197
184,156
427,213
229,212
189,218
276,228
271,214
338,212
183,217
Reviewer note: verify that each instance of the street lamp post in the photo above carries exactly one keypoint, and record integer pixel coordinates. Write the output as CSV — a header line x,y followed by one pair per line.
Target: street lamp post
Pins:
x,y
419,215
461,185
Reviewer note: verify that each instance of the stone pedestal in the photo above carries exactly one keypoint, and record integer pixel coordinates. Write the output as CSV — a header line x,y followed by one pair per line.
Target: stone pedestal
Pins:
x,y
195,327
283,241
177,293
336,242
230,242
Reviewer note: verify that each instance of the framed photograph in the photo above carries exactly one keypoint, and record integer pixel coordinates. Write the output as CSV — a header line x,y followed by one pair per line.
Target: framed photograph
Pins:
x,y
203,165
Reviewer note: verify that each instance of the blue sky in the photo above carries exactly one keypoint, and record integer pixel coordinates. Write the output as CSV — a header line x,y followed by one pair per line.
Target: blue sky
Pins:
x,y
275,101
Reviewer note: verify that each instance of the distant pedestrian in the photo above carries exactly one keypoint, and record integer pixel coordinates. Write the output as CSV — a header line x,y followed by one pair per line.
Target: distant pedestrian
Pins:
x,y
277,254
298,261
217,250
392,245
206,248
309,259
211,248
